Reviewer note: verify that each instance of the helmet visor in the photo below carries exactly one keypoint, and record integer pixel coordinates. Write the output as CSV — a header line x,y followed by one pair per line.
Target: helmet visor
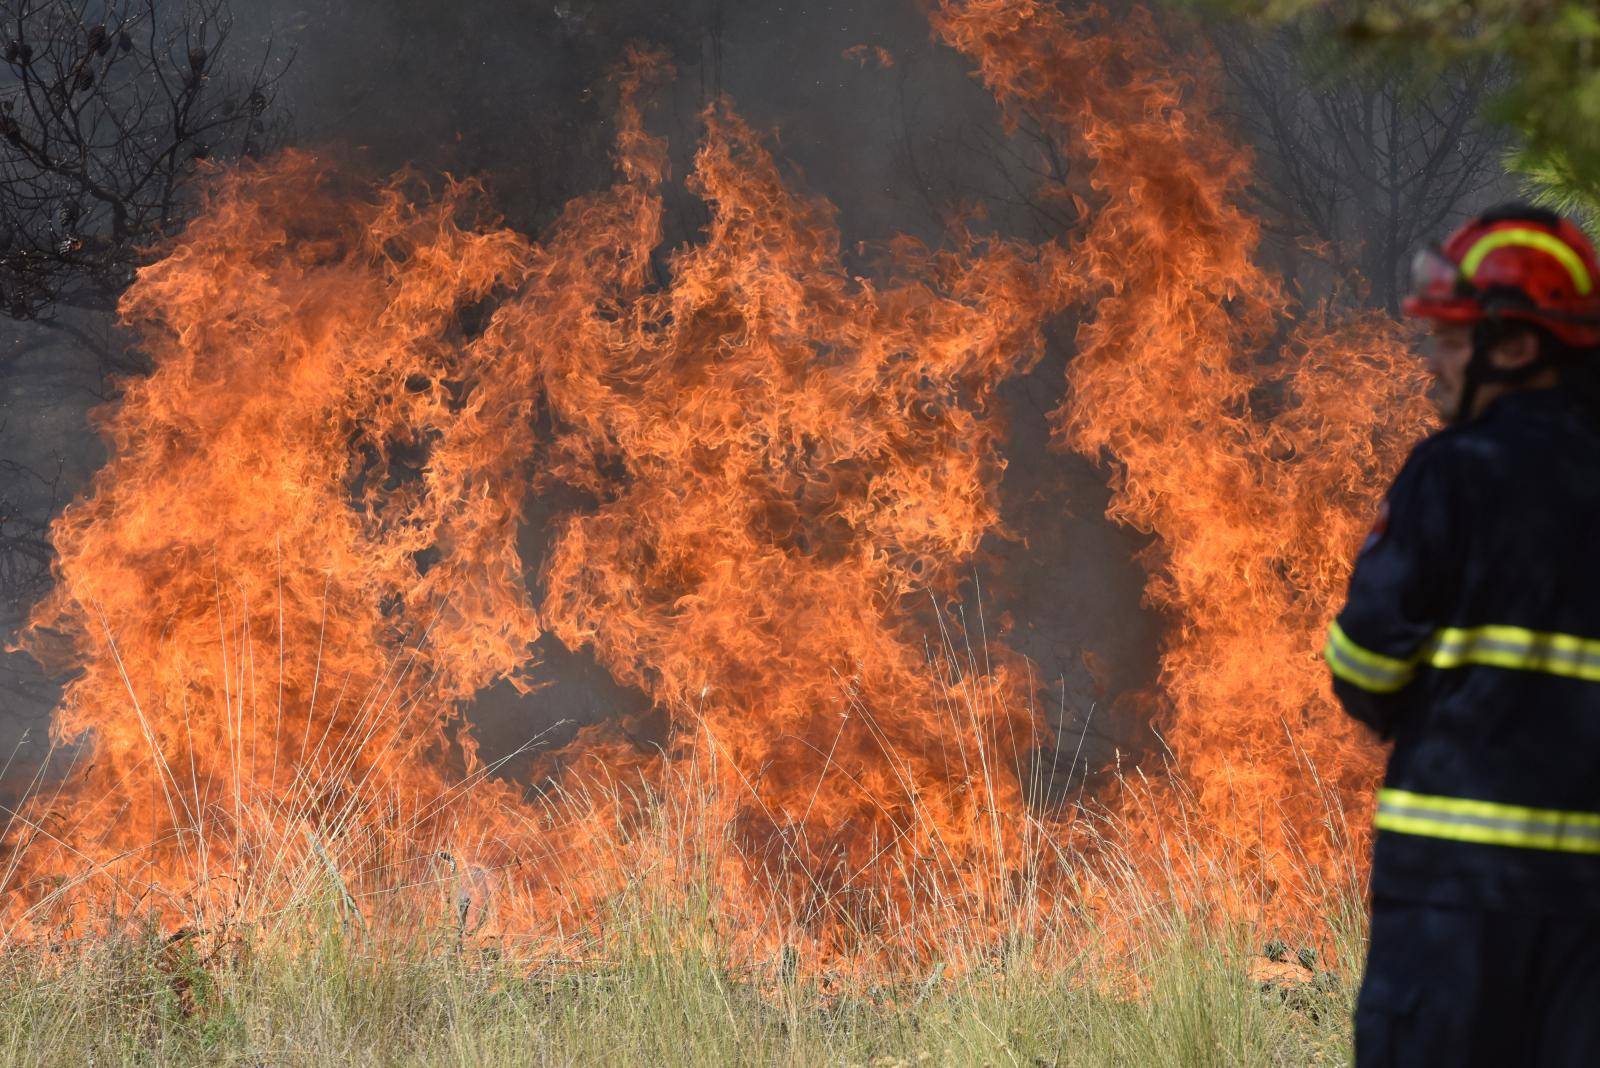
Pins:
x,y
1436,278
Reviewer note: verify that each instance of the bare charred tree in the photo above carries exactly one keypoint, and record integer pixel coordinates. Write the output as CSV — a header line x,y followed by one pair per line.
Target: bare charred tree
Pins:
x,y
1019,177
109,112
1361,167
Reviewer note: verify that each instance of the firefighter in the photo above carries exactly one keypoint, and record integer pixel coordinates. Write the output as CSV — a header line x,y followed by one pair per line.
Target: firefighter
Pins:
x,y
1471,640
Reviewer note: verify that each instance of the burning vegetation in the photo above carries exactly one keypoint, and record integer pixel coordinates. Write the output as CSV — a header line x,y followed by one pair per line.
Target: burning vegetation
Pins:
x,y
301,558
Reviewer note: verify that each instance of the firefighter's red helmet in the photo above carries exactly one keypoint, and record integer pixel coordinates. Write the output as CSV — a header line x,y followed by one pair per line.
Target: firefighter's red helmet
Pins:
x,y
1517,263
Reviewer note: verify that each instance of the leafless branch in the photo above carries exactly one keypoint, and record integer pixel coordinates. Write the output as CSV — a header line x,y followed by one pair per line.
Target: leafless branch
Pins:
x,y
1364,166
108,111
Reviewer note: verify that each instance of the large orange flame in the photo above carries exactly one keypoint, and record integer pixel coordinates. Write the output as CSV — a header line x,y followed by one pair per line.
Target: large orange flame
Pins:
x,y
1256,459
786,458
302,553
269,606
301,557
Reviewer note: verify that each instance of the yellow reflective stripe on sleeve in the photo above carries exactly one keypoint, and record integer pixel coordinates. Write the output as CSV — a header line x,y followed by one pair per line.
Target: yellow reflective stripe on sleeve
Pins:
x,y
1515,648
1462,819
1363,667
1538,239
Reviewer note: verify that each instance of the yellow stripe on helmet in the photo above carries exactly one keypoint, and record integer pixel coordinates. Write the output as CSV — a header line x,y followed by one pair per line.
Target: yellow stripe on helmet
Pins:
x,y
1536,239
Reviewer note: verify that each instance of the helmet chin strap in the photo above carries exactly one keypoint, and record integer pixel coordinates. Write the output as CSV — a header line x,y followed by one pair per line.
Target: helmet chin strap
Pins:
x,y
1487,333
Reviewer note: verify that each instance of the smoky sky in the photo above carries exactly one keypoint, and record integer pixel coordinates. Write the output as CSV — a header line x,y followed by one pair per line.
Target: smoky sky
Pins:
x,y
513,93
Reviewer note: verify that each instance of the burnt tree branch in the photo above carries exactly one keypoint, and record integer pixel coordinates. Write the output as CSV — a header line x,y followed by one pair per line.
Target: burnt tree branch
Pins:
x,y
108,114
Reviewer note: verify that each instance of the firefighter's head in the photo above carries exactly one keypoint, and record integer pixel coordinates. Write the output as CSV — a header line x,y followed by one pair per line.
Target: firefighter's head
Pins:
x,y
1513,301
1473,365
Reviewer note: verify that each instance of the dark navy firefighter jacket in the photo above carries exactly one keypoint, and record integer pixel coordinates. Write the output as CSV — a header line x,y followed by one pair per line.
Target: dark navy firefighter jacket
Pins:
x,y
1471,637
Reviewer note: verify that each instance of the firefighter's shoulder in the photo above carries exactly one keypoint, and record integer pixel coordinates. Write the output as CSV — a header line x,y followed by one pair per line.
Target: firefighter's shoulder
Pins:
x,y
1492,454
1461,472
1440,459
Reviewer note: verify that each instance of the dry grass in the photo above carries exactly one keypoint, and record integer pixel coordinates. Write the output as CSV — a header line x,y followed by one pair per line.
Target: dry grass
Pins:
x,y
670,981
347,998
1080,954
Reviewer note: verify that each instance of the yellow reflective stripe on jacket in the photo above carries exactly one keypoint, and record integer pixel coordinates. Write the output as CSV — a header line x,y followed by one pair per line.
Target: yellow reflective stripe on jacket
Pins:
x,y
1363,667
1486,822
1516,648
1539,239
1513,648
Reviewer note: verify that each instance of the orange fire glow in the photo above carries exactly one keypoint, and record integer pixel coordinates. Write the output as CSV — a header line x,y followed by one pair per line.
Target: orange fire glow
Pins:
x,y
301,558
1256,464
